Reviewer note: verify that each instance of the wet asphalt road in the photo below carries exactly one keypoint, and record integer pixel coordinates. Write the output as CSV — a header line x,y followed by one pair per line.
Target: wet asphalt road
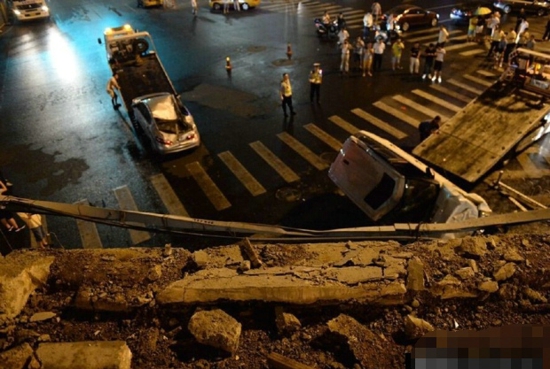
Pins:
x,y
60,140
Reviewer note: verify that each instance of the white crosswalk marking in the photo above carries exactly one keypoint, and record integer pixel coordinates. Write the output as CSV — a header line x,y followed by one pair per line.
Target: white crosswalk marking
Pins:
x,y
208,186
274,162
323,136
459,46
346,126
386,127
168,196
451,93
88,231
303,151
433,36
485,73
473,52
437,100
464,86
396,113
126,202
421,108
242,174
478,80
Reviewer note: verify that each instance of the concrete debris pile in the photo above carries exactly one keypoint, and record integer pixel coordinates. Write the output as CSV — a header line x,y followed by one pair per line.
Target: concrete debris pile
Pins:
x,y
348,305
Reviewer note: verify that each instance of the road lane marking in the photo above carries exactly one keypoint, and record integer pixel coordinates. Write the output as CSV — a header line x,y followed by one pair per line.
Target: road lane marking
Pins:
x,y
208,186
242,174
396,113
478,80
451,93
386,127
346,126
465,86
433,36
89,236
472,52
323,136
485,73
126,202
303,151
460,46
421,108
437,100
167,195
274,162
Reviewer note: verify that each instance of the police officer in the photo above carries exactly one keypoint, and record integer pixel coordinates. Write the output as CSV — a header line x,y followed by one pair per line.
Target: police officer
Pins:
x,y
315,80
286,95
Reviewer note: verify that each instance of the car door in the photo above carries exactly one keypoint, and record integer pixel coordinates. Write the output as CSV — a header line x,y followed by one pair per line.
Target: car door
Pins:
x,y
145,120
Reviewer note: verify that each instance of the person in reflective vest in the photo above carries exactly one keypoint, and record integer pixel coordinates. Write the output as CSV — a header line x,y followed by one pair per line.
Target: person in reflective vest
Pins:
x,y
315,80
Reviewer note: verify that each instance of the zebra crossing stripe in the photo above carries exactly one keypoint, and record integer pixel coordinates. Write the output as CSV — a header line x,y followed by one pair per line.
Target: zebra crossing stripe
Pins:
x,y
346,126
303,151
242,174
437,100
317,9
354,17
460,46
208,186
465,86
485,73
126,202
421,32
89,236
323,136
451,93
379,123
478,80
421,108
274,162
472,52
433,36
167,195
396,113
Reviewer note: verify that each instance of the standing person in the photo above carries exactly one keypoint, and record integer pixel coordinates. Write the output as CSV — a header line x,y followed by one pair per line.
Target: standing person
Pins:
x,y
315,80
443,36
112,85
195,8
236,5
378,48
523,26
414,64
428,127
499,53
368,22
510,44
429,55
326,19
471,29
376,11
397,52
524,37
438,65
491,23
340,21
226,5
367,59
546,35
531,43
343,35
344,61
496,36
34,222
358,51
521,17
6,217
286,94
480,29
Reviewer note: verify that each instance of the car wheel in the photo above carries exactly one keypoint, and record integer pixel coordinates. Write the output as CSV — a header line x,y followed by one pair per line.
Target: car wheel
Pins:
x,y
245,6
433,23
507,9
405,27
217,6
541,12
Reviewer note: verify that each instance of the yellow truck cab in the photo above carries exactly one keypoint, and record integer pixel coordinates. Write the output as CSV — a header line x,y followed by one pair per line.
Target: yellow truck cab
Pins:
x,y
25,10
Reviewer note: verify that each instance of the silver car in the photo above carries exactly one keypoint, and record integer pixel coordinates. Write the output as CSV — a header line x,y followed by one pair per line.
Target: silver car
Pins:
x,y
166,122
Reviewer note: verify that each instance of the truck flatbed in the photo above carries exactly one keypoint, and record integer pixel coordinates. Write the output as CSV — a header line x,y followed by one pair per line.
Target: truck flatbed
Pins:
x,y
142,77
474,140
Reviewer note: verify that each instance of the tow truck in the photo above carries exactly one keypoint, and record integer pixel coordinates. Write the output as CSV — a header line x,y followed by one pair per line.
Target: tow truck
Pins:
x,y
503,121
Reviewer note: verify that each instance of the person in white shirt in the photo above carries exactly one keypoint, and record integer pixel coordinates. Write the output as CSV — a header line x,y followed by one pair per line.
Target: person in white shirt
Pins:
x,y
342,36
438,65
368,22
443,36
376,10
379,48
344,61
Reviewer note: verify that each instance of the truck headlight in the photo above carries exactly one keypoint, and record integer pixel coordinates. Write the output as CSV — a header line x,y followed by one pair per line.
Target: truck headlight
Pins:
x,y
16,12
44,8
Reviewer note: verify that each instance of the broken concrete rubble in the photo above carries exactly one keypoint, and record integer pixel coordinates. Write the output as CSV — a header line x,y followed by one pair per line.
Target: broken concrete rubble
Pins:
x,y
416,327
216,328
16,358
505,272
286,323
85,355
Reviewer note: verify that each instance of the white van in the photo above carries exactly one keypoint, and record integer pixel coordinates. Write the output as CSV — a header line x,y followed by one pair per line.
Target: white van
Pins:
x,y
29,9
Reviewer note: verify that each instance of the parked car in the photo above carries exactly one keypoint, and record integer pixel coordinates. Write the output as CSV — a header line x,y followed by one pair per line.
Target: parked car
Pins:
x,y
539,8
244,4
412,15
148,3
166,122
463,12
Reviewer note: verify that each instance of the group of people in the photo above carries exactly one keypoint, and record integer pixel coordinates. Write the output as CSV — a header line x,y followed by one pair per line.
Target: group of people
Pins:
x,y
285,91
33,221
